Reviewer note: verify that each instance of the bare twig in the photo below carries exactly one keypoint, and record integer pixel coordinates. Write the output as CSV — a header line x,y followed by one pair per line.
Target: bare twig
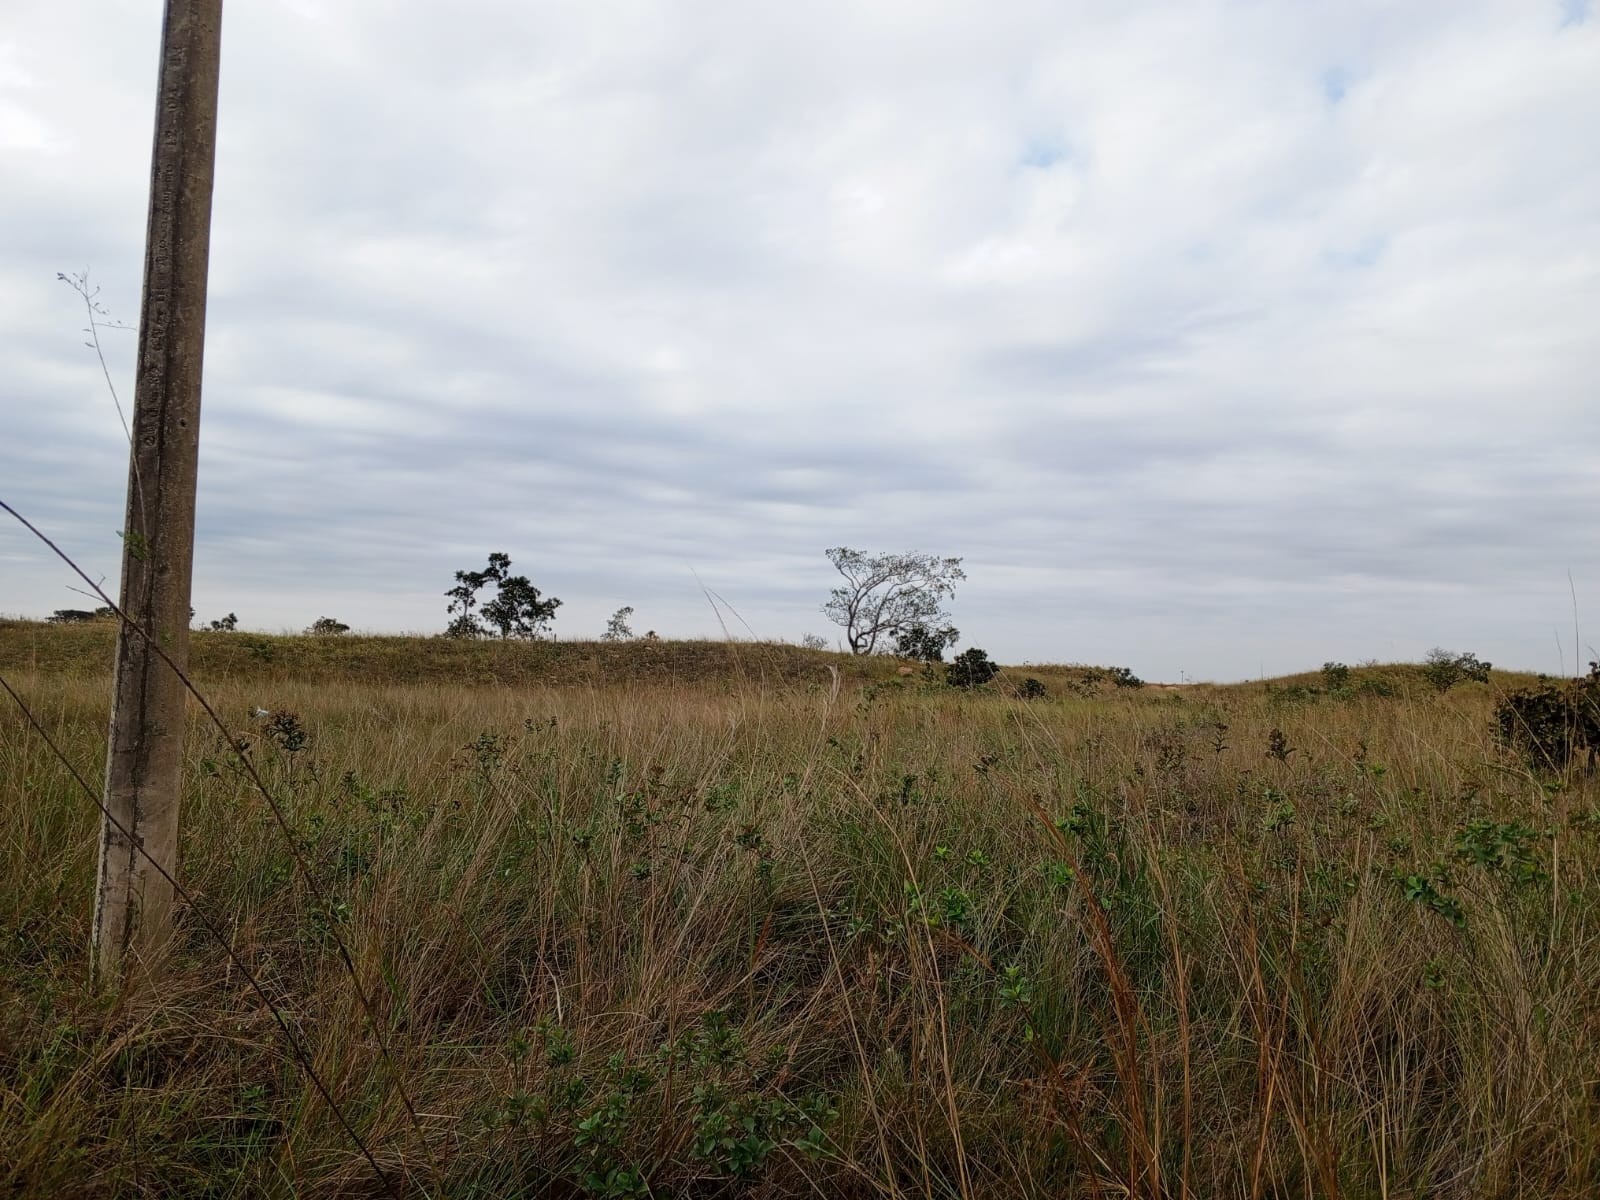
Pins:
x,y
99,319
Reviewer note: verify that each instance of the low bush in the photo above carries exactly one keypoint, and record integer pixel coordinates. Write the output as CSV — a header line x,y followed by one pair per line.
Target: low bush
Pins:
x,y
971,669
1554,724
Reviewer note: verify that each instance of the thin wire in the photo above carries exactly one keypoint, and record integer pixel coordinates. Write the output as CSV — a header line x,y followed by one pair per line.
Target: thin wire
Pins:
x,y
277,812
300,1053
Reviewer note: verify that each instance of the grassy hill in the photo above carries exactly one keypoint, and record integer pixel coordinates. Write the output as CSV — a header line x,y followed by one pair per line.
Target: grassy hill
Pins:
x,y
83,650
678,919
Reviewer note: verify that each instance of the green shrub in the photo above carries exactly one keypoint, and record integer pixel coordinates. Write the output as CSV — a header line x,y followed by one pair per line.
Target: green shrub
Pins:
x,y
971,669
1553,724
1444,669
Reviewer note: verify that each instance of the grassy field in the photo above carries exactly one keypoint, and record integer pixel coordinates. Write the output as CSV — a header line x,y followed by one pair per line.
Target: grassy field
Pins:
x,y
672,919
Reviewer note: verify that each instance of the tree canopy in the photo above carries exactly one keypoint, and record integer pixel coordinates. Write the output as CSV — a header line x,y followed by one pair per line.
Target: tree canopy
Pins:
x,y
885,595
516,611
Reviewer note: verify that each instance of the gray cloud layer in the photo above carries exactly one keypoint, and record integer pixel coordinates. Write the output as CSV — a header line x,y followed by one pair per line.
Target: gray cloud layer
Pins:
x,y
1217,337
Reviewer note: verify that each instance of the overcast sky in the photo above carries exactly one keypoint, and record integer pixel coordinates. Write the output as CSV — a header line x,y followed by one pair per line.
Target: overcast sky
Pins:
x,y
1217,337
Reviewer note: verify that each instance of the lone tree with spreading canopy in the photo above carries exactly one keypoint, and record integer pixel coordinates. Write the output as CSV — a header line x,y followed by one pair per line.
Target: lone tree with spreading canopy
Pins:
x,y
517,611
885,595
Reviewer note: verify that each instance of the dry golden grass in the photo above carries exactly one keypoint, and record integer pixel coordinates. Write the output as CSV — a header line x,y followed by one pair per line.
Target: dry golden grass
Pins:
x,y
747,933
85,649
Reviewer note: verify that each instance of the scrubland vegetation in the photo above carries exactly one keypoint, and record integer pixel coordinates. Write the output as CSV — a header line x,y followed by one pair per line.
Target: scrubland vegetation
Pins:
x,y
667,919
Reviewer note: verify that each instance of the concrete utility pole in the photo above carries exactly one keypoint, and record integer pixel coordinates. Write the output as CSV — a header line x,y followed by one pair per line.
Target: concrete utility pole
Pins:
x,y
133,904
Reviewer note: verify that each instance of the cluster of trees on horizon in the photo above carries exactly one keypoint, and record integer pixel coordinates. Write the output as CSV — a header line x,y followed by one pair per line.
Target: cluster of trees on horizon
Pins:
x,y
885,598
887,603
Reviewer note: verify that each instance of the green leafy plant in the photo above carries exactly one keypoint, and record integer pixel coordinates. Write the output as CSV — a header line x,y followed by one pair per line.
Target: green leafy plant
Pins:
x,y
603,1134
1502,847
1424,890
1016,989
1281,815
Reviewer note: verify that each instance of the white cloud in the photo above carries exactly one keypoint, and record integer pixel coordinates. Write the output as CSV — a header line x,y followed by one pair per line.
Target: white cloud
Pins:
x,y
1215,335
